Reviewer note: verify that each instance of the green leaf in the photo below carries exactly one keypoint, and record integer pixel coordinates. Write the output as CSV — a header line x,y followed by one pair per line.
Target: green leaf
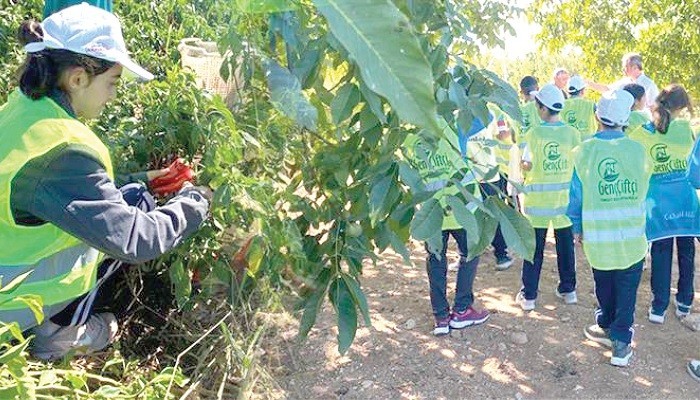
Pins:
x,y
313,302
109,392
255,255
286,95
381,41
344,102
358,297
13,352
428,220
411,177
181,281
342,301
516,229
15,282
35,304
382,196
487,227
77,379
374,102
465,217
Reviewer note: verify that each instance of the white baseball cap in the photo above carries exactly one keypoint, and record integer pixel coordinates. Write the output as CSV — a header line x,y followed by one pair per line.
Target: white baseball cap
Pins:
x,y
91,31
614,107
576,83
551,96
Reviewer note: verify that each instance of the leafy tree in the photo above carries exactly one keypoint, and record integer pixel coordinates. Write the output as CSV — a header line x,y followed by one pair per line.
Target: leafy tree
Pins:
x,y
663,31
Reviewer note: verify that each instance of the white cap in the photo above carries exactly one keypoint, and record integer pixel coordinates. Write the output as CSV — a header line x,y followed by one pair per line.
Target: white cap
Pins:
x,y
551,96
576,83
91,31
614,107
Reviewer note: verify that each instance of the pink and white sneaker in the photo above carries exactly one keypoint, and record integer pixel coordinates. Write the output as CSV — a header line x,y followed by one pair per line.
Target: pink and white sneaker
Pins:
x,y
468,317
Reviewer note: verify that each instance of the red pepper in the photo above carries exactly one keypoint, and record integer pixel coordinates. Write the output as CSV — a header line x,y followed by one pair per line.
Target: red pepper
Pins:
x,y
175,169
172,186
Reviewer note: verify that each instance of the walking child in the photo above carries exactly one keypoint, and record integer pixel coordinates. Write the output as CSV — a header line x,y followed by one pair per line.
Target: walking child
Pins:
x,y
437,166
547,160
673,211
607,208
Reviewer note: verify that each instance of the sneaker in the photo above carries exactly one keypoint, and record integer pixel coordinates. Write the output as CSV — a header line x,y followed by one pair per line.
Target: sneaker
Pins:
x,y
656,318
599,335
694,369
503,263
52,341
526,305
621,354
442,327
569,298
682,310
468,317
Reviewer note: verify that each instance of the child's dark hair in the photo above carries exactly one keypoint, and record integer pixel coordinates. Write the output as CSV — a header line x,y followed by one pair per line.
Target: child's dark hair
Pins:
x,y
637,91
528,84
672,98
550,112
41,71
576,93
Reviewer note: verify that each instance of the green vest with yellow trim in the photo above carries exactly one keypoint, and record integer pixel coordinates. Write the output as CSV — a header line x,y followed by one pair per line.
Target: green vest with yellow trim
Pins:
x,y
547,183
579,113
30,129
668,151
614,176
438,166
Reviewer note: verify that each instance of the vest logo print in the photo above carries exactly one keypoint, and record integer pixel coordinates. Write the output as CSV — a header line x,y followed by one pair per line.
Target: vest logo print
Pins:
x,y
430,160
610,186
553,162
663,162
570,117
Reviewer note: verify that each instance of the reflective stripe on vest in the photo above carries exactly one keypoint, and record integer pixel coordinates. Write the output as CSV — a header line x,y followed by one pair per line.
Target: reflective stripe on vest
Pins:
x,y
547,184
614,175
29,129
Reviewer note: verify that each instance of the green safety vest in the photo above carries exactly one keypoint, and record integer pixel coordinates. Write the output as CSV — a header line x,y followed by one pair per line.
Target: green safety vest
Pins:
x,y
63,266
669,152
614,176
503,146
531,119
579,113
547,184
637,119
438,166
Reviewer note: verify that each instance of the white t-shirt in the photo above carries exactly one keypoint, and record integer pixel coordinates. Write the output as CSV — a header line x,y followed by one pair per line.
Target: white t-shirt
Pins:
x,y
650,88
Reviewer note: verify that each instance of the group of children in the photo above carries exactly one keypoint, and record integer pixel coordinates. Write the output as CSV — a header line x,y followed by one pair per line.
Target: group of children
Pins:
x,y
614,176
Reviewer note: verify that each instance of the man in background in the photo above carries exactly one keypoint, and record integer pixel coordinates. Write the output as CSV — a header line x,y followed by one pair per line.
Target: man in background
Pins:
x,y
634,73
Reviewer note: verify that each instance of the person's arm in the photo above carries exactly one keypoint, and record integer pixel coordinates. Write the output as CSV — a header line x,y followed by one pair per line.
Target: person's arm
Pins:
x,y
69,188
526,161
575,208
693,172
598,87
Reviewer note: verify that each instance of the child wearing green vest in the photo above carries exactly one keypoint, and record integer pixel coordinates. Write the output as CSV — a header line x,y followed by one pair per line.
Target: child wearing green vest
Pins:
x,y
693,176
437,167
547,160
578,111
607,208
528,85
673,213
59,206
638,116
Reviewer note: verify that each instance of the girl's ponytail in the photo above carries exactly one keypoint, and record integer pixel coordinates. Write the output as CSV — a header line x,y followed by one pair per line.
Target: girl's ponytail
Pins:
x,y
671,99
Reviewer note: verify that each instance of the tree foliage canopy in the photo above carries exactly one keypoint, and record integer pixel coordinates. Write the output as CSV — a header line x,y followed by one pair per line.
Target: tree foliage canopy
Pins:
x,y
663,31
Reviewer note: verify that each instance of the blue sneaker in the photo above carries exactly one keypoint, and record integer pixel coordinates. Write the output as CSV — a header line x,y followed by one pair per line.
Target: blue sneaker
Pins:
x,y
682,310
503,262
621,354
655,317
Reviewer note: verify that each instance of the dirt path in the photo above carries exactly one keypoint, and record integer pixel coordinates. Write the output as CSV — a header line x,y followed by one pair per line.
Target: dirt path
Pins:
x,y
399,358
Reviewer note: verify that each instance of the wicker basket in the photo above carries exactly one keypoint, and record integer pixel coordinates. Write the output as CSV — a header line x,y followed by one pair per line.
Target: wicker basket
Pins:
x,y
204,59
